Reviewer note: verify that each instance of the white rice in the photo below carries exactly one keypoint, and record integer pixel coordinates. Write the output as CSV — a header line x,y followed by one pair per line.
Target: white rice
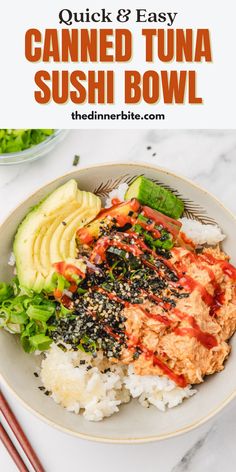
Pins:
x,y
118,192
97,393
201,234
12,260
154,390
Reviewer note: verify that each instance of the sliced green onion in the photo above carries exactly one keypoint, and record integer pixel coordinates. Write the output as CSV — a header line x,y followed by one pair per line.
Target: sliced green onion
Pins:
x,y
58,282
87,345
5,291
65,311
15,140
22,311
142,218
76,278
81,291
20,318
111,270
40,342
40,313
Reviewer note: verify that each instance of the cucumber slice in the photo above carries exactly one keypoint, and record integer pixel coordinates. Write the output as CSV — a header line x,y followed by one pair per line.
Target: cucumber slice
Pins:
x,y
155,196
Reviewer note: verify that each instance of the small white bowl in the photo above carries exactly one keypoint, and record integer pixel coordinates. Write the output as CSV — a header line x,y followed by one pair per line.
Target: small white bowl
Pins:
x,y
133,424
34,152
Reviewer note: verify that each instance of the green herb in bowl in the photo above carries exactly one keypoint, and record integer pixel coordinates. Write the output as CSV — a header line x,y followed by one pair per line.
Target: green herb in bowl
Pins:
x,y
15,140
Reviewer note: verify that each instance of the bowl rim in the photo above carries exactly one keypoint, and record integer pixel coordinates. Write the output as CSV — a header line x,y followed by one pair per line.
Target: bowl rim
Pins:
x,y
117,440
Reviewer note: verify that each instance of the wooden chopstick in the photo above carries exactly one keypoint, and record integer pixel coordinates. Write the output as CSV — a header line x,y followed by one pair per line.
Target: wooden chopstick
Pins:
x,y
12,450
20,435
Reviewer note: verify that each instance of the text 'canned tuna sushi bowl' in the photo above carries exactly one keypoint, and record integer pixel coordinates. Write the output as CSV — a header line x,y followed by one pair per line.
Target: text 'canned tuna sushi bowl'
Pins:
x,y
127,301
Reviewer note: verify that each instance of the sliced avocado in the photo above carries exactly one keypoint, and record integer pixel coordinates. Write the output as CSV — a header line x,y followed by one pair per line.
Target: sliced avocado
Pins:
x,y
47,234
155,196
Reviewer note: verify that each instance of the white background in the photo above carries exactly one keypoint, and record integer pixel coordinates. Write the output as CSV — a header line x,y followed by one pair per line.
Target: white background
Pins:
x,y
215,83
208,158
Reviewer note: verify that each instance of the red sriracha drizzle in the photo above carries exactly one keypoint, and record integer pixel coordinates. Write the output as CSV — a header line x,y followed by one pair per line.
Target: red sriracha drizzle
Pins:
x,y
141,244
68,270
86,237
113,296
190,284
123,220
226,267
110,331
154,316
137,247
178,379
66,301
206,339
216,300
99,250
165,305
115,201
219,300
171,225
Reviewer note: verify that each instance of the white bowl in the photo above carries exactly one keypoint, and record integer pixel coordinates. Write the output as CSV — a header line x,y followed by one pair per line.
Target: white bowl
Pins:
x,y
34,152
133,423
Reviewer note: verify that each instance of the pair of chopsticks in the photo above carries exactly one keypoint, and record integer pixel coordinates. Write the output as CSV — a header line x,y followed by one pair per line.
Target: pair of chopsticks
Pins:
x,y
21,438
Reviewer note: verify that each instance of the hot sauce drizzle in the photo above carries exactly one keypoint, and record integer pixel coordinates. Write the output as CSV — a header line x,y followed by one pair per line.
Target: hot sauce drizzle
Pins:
x,y
226,267
138,248
113,296
190,284
206,339
178,379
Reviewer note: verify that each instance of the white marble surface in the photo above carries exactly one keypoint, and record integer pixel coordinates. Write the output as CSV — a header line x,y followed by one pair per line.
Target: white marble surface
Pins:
x,y
207,157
